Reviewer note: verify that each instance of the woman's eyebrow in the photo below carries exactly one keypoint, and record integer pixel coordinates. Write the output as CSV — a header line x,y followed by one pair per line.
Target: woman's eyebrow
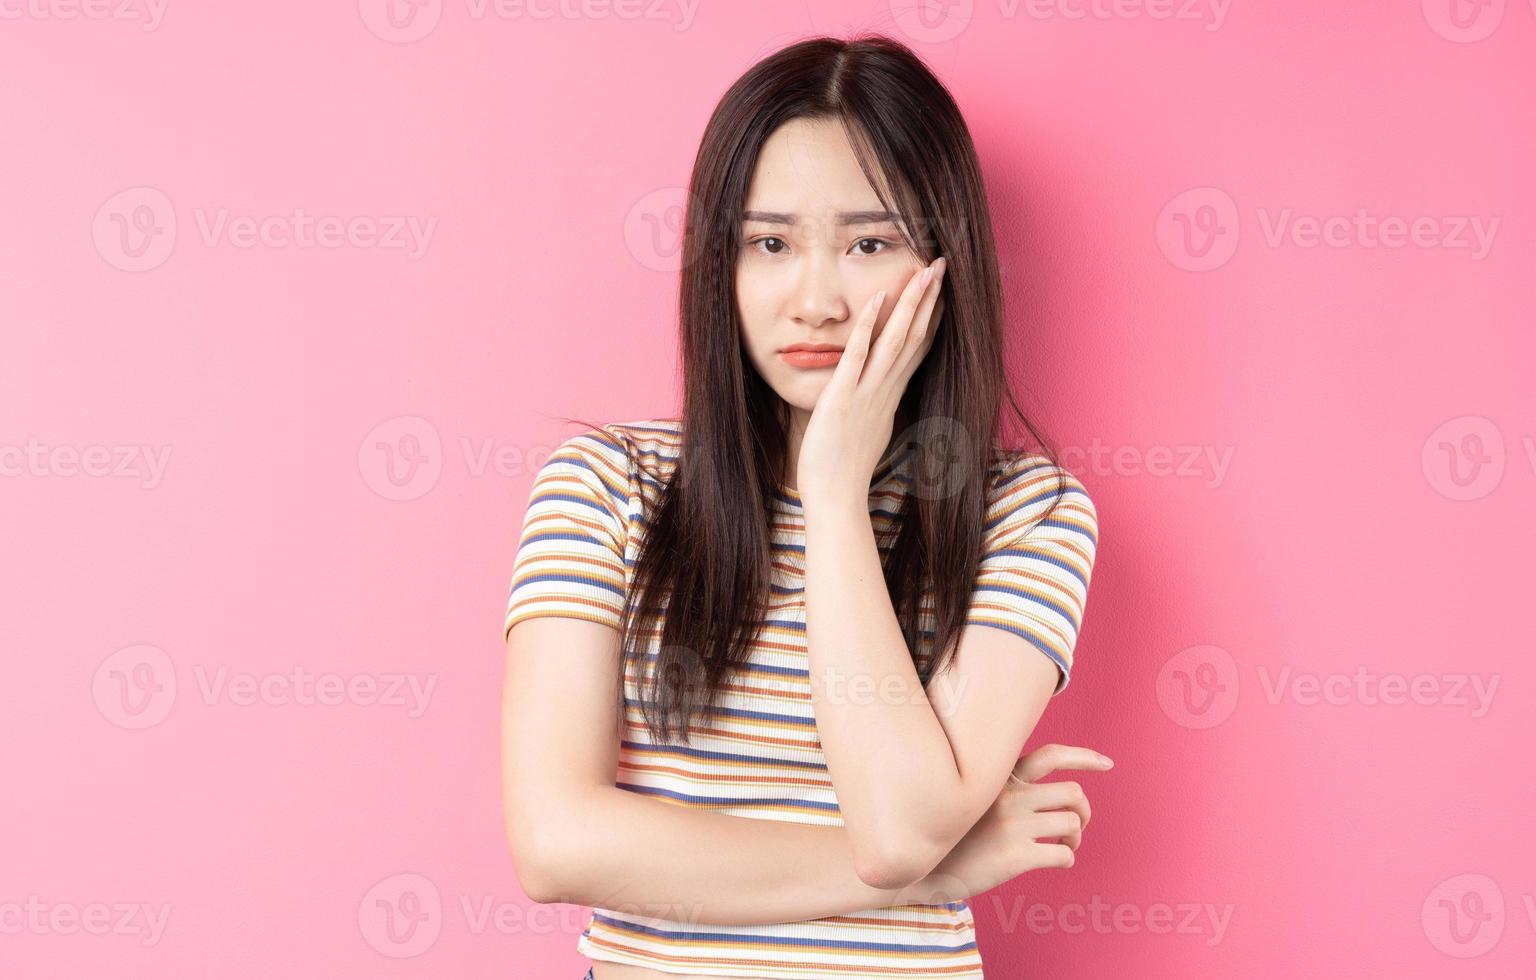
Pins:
x,y
842,217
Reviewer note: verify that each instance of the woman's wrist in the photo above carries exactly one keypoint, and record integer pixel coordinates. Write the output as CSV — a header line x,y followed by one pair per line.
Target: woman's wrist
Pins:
x,y
933,888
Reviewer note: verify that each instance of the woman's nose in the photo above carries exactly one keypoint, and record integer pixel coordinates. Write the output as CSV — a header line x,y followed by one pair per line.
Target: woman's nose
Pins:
x,y
818,297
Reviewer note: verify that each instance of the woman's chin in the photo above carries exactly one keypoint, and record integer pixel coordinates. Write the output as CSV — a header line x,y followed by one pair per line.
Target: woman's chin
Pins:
x,y
802,395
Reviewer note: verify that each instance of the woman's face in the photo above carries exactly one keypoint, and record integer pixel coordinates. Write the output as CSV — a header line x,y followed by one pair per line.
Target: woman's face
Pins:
x,y
816,248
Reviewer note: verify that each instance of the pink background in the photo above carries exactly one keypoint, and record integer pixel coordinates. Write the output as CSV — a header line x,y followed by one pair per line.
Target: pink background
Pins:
x,y
348,435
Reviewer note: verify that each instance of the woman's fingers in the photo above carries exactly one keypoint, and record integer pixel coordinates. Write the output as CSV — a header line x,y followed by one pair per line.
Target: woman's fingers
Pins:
x,y
897,326
920,333
1049,758
1058,823
1056,855
1065,796
856,351
1060,795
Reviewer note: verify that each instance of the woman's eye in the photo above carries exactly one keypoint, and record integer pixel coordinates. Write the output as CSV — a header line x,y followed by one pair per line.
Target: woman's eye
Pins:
x,y
773,245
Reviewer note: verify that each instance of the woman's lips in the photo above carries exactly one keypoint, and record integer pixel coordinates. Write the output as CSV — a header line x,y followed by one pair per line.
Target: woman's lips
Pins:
x,y
811,358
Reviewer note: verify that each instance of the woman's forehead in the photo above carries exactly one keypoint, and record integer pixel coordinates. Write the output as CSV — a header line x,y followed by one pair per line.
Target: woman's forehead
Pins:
x,y
808,167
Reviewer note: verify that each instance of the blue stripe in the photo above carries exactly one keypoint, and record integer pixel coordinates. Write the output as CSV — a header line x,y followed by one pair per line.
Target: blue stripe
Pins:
x,y
725,800
1034,640
577,579
1028,597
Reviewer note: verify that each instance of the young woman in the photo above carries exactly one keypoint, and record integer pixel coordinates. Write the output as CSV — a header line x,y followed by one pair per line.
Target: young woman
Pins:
x,y
771,664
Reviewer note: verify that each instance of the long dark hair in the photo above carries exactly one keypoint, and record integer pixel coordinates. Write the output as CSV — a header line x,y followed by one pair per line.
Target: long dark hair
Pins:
x,y
703,570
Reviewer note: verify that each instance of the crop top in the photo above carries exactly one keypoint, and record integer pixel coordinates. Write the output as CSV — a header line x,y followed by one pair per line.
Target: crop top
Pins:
x,y
760,758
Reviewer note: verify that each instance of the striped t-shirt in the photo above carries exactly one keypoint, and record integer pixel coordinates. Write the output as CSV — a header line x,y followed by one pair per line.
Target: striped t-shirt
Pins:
x,y
760,758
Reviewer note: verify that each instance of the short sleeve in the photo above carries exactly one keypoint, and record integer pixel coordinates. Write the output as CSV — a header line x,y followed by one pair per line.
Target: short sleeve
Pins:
x,y
570,557
1037,558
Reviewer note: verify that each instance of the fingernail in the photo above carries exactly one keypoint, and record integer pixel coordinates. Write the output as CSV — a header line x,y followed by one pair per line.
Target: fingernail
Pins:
x,y
927,277
1107,761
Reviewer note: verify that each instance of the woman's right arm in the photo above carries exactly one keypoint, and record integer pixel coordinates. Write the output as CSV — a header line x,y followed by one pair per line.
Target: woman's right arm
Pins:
x,y
577,838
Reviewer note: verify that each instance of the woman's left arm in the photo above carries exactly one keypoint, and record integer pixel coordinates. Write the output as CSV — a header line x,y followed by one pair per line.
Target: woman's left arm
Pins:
x,y
914,769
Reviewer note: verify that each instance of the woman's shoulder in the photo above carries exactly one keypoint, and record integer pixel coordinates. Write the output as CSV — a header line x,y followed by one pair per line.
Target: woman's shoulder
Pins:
x,y
646,435
1028,486
644,449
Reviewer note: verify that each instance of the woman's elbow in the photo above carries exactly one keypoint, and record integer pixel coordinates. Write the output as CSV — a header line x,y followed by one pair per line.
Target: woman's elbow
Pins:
x,y
895,865
887,877
537,860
